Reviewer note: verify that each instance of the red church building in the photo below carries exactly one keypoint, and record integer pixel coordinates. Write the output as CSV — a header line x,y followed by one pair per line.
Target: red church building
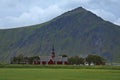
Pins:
x,y
52,59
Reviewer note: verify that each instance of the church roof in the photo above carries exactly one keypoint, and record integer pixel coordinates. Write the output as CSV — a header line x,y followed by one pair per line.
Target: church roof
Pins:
x,y
45,58
57,58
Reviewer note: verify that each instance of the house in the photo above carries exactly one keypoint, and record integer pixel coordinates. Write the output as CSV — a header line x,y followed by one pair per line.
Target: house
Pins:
x,y
52,59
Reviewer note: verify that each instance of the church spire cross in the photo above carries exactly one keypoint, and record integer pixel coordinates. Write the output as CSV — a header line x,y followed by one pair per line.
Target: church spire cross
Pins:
x,y
53,52
53,48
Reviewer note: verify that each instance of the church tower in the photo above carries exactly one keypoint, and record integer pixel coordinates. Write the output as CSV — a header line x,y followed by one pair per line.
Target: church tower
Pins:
x,y
53,52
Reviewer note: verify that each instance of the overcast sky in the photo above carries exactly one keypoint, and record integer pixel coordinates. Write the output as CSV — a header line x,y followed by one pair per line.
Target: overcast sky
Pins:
x,y
18,13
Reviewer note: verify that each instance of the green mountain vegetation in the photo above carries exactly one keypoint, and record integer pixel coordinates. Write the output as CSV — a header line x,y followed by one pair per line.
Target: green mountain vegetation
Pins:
x,y
77,32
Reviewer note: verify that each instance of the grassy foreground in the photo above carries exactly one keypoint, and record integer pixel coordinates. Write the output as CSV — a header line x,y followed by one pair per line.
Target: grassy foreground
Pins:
x,y
59,74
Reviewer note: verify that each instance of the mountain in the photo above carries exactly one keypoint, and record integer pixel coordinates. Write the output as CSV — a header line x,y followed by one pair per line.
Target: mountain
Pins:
x,y
76,32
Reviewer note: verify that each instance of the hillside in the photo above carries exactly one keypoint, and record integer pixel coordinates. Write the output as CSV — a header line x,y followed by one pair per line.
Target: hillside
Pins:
x,y
76,32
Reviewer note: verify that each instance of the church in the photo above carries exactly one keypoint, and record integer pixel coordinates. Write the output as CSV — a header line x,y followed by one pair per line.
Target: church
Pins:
x,y
53,59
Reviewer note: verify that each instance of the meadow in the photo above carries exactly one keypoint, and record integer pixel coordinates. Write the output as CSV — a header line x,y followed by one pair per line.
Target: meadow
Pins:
x,y
59,73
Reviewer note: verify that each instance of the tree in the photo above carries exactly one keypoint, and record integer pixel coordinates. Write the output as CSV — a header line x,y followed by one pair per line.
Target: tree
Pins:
x,y
31,59
76,60
81,60
20,59
17,59
95,59
64,55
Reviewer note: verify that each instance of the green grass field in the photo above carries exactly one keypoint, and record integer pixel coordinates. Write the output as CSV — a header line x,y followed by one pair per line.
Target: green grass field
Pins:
x,y
58,74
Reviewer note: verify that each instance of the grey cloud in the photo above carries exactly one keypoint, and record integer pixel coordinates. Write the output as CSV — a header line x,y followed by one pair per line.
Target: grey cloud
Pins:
x,y
15,13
